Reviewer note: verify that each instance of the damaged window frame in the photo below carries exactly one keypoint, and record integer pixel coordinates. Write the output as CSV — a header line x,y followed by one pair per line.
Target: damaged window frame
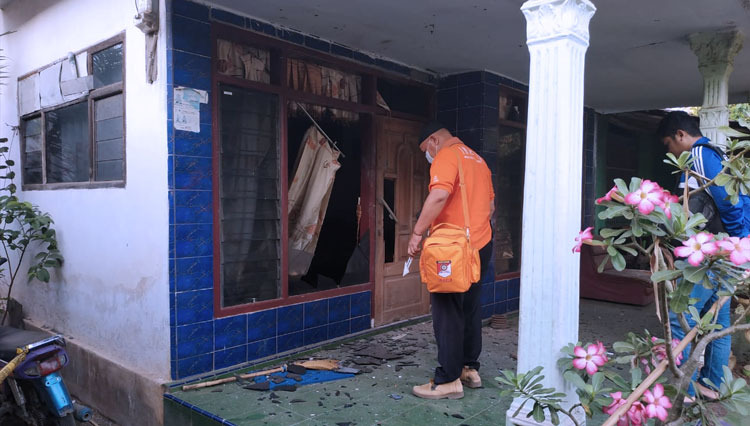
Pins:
x,y
366,107
91,98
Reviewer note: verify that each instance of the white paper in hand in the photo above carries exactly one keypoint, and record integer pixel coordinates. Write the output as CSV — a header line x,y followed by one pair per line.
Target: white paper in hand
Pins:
x,y
407,264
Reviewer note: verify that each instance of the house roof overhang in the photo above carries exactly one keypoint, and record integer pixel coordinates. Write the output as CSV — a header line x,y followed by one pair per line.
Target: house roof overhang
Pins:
x,y
639,55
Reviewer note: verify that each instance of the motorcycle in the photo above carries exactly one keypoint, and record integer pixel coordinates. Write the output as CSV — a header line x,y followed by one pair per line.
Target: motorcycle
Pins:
x,y
34,392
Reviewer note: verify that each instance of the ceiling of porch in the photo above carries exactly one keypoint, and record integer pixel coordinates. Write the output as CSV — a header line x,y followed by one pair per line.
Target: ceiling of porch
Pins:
x,y
639,56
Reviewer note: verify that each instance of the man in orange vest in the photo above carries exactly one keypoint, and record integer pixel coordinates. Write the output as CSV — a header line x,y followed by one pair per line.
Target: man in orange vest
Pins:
x,y
456,317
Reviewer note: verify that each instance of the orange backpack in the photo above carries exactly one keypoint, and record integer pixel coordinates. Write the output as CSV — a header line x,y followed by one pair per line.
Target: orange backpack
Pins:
x,y
449,264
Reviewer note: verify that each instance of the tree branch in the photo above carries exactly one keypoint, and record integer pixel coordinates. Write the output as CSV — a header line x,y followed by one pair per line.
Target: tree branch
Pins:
x,y
710,182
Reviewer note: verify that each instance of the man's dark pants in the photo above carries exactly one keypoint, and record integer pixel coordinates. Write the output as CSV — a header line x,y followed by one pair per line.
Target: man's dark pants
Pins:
x,y
457,321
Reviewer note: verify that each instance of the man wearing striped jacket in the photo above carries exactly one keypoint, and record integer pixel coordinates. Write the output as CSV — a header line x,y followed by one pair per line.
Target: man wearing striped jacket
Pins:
x,y
679,132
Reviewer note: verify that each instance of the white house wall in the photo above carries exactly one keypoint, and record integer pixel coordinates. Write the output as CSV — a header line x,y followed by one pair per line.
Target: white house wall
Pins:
x,y
111,295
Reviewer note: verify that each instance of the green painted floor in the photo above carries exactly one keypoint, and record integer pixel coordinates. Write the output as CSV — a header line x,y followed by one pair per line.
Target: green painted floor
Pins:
x,y
383,396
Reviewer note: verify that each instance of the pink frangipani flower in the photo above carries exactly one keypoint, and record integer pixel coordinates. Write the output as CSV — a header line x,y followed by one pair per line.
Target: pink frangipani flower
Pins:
x,y
589,359
668,198
696,247
738,249
635,413
660,352
601,350
607,196
656,403
617,401
583,237
648,196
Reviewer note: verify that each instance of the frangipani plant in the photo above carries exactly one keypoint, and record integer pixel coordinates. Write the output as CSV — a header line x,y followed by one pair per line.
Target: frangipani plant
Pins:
x,y
682,255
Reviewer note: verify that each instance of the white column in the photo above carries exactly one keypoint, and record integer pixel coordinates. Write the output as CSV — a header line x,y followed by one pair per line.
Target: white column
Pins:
x,y
557,36
715,52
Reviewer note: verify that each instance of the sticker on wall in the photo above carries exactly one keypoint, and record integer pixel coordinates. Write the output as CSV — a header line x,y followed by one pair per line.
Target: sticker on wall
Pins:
x,y
187,108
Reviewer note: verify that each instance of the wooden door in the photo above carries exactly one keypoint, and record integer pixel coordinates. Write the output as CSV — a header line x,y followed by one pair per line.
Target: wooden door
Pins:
x,y
402,176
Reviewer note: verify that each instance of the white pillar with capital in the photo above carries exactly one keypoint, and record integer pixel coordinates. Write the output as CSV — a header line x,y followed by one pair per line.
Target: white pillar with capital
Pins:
x,y
557,35
715,52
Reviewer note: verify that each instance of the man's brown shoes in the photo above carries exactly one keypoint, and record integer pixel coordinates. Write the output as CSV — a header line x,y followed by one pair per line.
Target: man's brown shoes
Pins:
x,y
470,378
452,390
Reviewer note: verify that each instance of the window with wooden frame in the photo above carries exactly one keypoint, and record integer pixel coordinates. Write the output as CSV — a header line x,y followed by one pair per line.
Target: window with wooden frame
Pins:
x,y
265,90
508,181
73,120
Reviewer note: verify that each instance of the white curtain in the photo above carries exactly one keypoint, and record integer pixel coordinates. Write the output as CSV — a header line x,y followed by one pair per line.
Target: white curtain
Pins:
x,y
309,193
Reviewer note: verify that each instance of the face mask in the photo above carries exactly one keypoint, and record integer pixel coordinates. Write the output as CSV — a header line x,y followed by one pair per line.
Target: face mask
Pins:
x,y
427,155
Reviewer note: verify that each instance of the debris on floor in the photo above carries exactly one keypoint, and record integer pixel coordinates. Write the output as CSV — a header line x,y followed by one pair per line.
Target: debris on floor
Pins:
x,y
389,364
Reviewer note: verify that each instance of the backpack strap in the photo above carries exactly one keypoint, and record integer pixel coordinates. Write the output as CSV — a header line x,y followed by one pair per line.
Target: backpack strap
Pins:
x,y
464,203
713,148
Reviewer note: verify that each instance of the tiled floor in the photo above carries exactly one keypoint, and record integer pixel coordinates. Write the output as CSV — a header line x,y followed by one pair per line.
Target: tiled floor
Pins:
x,y
384,395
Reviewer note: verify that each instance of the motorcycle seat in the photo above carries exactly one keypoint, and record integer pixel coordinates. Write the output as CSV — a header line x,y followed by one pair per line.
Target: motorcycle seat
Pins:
x,y
12,338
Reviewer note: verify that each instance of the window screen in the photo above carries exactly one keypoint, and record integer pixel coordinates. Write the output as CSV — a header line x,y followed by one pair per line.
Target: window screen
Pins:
x,y
79,144
250,196
67,144
107,66
108,137
32,164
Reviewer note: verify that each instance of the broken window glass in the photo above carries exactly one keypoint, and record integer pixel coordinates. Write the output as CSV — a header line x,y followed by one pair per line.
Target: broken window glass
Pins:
x,y
108,135
107,66
67,144
242,61
32,137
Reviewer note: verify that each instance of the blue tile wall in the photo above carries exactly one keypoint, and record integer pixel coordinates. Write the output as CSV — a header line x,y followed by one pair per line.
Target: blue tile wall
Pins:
x,y
261,349
590,118
193,273
290,318
497,297
316,313
190,35
229,357
338,308
227,17
338,329
260,27
200,343
467,106
287,342
261,325
316,335
230,332
360,304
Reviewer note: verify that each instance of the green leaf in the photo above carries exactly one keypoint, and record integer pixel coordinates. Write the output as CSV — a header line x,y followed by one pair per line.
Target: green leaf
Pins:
x,y
695,220
597,380
618,262
665,275
554,417
636,228
43,275
631,251
623,347
732,133
612,212
722,179
695,275
621,186
602,264
681,297
574,379
618,380
738,385
635,376
520,407
538,413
